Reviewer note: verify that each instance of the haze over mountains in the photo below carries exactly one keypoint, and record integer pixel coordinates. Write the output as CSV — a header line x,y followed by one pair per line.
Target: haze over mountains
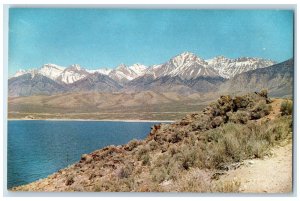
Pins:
x,y
185,74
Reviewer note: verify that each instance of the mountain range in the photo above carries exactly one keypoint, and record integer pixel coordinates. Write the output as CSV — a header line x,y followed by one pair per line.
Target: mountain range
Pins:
x,y
185,74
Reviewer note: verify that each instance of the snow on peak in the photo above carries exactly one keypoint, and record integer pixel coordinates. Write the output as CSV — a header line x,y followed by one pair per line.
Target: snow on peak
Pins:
x,y
20,72
104,71
187,59
51,71
72,74
228,68
121,67
218,59
75,67
123,73
186,65
138,69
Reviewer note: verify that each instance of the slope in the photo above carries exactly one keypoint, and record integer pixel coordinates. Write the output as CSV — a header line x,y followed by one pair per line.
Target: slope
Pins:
x,y
277,79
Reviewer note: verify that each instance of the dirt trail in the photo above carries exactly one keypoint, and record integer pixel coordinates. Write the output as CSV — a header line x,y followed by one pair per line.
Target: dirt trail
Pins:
x,y
275,108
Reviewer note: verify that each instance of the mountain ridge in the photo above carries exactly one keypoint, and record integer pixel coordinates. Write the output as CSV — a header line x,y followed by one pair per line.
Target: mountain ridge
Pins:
x,y
184,74
186,65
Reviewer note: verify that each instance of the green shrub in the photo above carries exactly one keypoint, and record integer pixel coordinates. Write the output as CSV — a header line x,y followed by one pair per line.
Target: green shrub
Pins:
x,y
193,183
146,159
176,137
227,186
174,169
264,93
159,174
189,158
239,117
142,151
132,144
236,142
216,155
125,171
115,185
286,107
259,148
153,145
260,110
173,150
233,148
69,180
213,135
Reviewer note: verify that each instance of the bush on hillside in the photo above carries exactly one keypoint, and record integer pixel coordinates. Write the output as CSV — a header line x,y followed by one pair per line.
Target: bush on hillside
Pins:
x,y
286,107
260,110
240,116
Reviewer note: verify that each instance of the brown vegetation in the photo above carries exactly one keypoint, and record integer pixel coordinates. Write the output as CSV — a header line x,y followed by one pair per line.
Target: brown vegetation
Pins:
x,y
185,156
286,107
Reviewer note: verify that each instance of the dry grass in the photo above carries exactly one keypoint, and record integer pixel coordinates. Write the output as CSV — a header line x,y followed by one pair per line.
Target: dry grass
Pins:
x,y
227,186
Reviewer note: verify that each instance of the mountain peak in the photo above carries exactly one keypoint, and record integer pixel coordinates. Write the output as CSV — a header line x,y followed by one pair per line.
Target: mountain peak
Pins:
x,y
139,69
186,65
187,59
186,55
121,66
51,65
219,59
75,67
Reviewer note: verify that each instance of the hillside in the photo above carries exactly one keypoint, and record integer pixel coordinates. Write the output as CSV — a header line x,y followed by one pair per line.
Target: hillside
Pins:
x,y
30,84
278,79
190,155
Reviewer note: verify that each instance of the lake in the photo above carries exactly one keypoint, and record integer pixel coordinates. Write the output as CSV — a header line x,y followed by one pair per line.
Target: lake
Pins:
x,y
37,149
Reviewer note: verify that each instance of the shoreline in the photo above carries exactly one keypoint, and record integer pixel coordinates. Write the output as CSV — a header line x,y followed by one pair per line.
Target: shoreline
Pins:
x,y
101,120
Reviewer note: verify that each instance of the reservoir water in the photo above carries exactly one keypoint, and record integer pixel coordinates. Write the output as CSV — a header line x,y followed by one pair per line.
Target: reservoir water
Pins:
x,y
37,149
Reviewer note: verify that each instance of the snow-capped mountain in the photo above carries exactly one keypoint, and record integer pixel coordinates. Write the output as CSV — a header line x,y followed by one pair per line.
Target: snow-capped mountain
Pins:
x,y
51,71
72,74
186,66
20,72
228,68
138,69
104,71
124,74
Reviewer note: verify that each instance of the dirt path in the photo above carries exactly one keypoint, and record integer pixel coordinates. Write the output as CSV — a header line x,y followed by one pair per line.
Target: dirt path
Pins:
x,y
270,175
275,108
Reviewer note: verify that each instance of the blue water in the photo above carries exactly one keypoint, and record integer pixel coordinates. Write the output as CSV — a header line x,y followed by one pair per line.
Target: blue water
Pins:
x,y
39,148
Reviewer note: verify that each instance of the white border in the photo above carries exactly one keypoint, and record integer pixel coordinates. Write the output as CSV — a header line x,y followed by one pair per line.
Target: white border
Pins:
x,y
92,3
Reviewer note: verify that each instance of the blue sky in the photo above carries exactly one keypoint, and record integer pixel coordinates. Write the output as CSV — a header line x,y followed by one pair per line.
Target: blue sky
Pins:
x,y
97,38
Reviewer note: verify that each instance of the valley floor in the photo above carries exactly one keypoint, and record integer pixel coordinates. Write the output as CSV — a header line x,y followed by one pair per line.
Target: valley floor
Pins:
x,y
125,116
105,120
